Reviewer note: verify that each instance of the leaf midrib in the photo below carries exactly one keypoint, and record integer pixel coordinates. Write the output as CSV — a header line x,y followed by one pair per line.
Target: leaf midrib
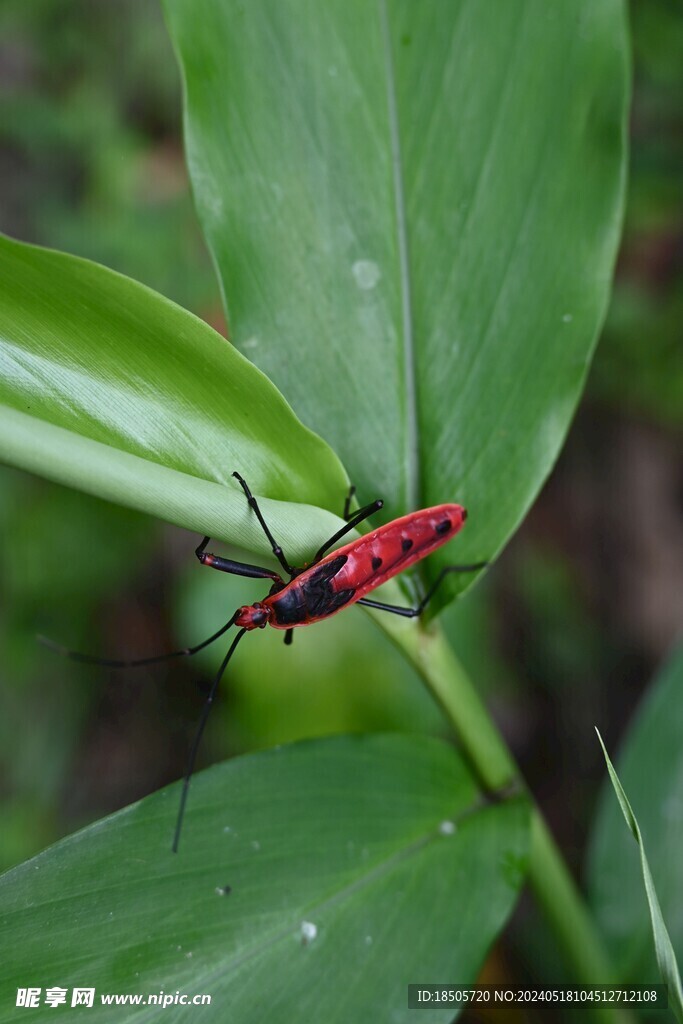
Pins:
x,y
407,322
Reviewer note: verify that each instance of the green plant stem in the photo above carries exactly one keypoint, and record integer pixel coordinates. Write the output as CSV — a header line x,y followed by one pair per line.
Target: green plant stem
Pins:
x,y
565,909
554,888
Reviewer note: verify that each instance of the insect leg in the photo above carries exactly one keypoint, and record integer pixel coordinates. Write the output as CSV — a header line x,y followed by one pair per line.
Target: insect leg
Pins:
x,y
277,550
289,636
90,659
347,503
411,613
395,609
355,519
236,568
198,736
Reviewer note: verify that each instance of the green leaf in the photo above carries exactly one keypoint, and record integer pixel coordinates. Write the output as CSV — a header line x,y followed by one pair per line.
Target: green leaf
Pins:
x,y
109,387
414,210
666,958
651,768
300,835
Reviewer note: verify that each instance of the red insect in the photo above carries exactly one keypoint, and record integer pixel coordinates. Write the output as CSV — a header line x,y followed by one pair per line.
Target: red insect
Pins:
x,y
331,582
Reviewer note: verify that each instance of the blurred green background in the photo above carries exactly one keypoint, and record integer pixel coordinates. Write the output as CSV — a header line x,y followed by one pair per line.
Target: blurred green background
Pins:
x,y
565,632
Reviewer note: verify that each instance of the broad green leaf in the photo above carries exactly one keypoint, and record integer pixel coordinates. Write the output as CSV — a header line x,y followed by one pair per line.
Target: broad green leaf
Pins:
x,y
109,387
666,958
650,767
414,210
355,865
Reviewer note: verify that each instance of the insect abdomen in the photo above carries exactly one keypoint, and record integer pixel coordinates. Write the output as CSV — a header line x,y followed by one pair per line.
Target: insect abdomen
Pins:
x,y
376,557
351,572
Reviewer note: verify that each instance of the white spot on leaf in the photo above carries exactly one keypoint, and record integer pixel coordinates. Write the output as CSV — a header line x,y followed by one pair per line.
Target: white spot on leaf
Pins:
x,y
366,274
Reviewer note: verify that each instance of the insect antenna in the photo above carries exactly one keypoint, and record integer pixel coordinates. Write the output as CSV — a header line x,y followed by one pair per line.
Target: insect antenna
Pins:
x,y
91,659
198,736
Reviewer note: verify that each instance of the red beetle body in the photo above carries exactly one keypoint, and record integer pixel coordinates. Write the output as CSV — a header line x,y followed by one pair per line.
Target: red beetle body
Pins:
x,y
349,573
